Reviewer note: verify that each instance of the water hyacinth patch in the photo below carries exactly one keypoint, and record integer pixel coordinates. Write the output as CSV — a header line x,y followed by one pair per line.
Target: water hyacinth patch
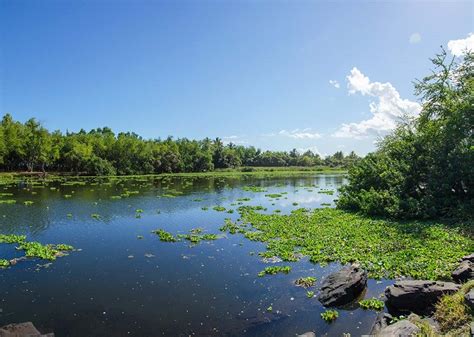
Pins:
x,y
273,270
33,249
330,315
306,282
372,304
165,236
219,208
386,249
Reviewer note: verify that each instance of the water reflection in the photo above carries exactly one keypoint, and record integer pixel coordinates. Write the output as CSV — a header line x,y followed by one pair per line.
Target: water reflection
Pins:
x,y
119,285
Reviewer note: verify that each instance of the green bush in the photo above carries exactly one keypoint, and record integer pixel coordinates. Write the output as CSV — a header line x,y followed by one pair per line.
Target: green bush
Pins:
x,y
424,168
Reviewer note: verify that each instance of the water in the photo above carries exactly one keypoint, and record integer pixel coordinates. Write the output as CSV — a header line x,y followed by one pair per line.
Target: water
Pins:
x,y
120,285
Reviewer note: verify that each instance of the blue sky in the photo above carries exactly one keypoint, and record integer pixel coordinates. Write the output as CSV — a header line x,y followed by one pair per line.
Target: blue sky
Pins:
x,y
251,72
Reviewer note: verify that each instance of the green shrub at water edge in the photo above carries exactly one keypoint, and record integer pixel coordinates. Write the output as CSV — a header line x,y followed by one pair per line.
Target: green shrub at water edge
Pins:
x,y
424,169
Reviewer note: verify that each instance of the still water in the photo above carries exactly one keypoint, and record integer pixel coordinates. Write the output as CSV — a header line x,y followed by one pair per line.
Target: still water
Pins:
x,y
123,281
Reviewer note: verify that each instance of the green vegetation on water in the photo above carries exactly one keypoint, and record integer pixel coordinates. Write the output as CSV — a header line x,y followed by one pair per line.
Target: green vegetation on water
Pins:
x,y
330,315
273,270
165,236
33,249
306,282
372,304
386,249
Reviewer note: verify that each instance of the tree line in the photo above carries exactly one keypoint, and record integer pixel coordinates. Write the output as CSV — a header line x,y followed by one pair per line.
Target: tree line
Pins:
x,y
30,146
425,168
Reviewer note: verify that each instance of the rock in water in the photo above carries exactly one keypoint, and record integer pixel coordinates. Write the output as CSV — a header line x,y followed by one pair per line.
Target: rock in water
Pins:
x,y
343,286
403,328
26,329
465,271
417,296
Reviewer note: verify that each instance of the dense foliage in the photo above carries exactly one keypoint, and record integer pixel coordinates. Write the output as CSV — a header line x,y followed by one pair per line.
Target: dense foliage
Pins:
x,y
386,249
30,146
425,168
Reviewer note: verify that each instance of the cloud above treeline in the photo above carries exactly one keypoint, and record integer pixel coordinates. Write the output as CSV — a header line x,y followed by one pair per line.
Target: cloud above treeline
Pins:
x,y
459,47
387,107
295,134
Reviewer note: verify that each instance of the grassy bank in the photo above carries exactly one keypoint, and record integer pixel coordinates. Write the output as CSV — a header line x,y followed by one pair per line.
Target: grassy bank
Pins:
x,y
386,249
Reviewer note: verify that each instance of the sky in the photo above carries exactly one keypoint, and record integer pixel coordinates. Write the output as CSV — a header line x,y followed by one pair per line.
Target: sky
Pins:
x,y
319,75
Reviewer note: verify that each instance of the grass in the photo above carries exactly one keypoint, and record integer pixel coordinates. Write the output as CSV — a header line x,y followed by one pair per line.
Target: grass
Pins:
x,y
452,313
273,270
386,249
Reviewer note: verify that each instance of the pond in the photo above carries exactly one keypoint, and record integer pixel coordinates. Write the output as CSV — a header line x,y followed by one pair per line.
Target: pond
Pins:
x,y
123,281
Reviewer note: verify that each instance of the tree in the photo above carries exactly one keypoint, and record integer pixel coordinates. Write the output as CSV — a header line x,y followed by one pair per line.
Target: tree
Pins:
x,y
424,168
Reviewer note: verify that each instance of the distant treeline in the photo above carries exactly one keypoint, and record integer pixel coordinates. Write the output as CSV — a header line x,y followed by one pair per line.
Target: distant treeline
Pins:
x,y
32,147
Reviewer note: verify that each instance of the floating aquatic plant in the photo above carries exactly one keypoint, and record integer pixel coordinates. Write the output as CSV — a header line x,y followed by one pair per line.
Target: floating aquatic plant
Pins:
x,y
372,304
274,270
219,208
306,282
330,315
165,236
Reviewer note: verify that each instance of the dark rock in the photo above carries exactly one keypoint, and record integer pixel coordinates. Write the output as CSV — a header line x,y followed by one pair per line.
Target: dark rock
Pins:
x,y
469,297
382,321
26,329
464,272
403,328
416,296
343,286
468,258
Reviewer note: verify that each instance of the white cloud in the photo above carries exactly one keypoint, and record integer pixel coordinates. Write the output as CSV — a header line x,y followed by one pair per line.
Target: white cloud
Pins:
x,y
459,47
335,84
237,140
387,109
415,38
300,134
313,149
